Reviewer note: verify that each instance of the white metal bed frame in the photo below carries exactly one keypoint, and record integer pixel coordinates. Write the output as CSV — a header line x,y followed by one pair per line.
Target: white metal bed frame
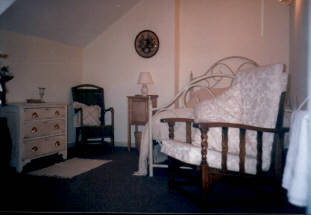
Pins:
x,y
224,69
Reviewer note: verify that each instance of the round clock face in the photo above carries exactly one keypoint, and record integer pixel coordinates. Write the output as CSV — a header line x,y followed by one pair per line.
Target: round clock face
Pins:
x,y
146,43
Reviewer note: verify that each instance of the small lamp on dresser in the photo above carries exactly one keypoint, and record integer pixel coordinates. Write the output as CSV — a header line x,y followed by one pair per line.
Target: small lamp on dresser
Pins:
x,y
144,79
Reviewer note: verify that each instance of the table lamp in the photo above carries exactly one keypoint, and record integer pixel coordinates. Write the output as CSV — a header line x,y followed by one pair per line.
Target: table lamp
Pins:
x,y
144,79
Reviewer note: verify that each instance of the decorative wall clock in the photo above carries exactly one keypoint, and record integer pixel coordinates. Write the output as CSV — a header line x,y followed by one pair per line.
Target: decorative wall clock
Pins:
x,y
147,43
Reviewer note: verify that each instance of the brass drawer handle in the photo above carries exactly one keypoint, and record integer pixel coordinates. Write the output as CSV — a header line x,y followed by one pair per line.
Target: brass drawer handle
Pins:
x,y
34,130
35,115
35,148
57,143
56,126
57,113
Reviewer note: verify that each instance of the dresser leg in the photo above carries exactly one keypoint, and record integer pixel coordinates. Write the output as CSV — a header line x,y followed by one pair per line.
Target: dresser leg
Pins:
x,y
19,169
64,154
20,165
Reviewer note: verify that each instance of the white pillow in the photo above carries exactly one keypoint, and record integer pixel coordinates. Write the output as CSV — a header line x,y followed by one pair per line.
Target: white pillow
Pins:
x,y
91,115
261,88
226,107
252,100
223,108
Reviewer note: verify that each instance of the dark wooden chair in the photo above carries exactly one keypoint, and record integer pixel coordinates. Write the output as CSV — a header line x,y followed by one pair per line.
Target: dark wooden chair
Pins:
x,y
91,95
208,175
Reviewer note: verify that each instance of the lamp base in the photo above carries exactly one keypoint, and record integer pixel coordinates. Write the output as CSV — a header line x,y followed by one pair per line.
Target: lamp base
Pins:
x,y
144,90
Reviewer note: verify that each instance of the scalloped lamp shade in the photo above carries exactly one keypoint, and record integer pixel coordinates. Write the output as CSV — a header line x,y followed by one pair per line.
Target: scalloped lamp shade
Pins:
x,y
144,79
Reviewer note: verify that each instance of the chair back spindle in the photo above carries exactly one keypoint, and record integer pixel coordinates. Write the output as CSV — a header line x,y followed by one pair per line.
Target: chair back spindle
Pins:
x,y
171,130
188,132
259,152
204,145
242,150
224,148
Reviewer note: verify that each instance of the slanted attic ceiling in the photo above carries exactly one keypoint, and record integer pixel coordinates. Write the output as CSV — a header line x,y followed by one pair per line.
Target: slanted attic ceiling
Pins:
x,y
73,22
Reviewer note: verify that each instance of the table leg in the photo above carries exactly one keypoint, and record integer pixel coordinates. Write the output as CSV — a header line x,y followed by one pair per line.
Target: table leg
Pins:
x,y
129,138
135,135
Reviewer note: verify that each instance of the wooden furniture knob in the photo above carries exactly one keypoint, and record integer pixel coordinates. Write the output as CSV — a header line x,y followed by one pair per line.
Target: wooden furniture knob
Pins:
x,y
34,130
57,113
35,148
57,143
35,115
56,126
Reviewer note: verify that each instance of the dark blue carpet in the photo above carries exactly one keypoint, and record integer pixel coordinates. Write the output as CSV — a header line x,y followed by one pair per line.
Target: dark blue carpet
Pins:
x,y
111,188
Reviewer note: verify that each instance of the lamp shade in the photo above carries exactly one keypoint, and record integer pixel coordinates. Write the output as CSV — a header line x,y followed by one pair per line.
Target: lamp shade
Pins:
x,y
286,2
144,78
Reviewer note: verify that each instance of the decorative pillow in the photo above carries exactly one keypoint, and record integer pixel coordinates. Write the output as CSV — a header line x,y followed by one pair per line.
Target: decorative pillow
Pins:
x,y
91,114
253,100
261,90
224,108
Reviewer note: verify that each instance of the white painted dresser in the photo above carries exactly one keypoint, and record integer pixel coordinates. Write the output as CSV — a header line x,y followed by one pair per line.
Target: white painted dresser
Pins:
x,y
37,130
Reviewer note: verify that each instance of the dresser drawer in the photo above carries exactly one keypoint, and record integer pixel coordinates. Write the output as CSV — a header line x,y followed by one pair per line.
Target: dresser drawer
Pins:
x,y
44,113
43,128
43,146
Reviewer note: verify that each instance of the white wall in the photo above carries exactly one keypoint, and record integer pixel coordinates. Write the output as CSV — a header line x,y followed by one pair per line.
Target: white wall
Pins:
x,y
112,62
300,18
213,29
209,30
37,62
298,52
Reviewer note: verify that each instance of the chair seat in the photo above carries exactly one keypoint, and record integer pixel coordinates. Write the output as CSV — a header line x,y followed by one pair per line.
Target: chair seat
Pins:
x,y
96,131
191,154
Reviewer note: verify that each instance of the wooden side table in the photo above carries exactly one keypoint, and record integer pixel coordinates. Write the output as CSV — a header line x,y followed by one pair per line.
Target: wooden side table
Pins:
x,y
138,113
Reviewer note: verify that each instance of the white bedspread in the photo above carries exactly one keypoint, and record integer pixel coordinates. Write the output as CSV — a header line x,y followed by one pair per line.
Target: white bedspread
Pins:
x,y
295,177
159,133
